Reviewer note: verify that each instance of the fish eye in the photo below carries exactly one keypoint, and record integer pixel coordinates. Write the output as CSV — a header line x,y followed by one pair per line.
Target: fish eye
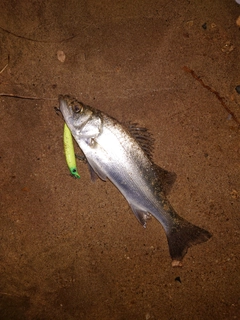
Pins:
x,y
76,109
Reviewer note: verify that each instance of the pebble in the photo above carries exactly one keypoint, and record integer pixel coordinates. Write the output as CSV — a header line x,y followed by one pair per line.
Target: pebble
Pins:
x,y
61,56
147,316
238,89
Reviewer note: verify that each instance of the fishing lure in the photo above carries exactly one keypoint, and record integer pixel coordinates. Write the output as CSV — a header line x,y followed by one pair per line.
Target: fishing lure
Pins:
x,y
69,151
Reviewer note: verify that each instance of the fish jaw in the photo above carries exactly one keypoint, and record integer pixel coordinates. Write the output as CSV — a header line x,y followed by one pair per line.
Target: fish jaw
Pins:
x,y
65,109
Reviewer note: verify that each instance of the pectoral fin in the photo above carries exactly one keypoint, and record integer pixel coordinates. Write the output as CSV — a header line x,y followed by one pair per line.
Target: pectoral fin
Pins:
x,y
93,174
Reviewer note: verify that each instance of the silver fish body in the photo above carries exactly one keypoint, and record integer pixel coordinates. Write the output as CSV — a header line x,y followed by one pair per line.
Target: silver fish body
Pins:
x,y
123,155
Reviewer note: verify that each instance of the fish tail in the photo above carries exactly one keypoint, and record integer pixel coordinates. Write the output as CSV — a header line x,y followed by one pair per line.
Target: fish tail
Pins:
x,y
181,236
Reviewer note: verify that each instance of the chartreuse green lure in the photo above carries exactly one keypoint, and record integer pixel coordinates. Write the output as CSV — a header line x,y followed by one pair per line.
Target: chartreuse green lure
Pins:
x,y
69,151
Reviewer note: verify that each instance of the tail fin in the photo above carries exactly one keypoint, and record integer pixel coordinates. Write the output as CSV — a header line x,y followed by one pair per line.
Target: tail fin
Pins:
x,y
182,236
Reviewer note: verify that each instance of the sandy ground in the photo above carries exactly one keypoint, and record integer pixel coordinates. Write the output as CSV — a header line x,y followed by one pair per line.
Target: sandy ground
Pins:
x,y
72,249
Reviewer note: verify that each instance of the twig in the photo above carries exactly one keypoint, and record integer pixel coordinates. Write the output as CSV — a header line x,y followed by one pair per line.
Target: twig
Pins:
x,y
5,65
221,99
4,68
25,97
9,294
44,41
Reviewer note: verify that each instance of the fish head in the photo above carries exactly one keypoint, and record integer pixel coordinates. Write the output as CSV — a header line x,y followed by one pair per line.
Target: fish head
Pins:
x,y
75,113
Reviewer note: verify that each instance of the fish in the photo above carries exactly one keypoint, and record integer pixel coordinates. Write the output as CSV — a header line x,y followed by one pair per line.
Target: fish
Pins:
x,y
122,153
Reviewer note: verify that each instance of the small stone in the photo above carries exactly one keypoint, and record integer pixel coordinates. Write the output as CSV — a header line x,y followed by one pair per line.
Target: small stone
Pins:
x,y
234,194
176,263
190,23
178,279
228,47
238,89
61,56
238,21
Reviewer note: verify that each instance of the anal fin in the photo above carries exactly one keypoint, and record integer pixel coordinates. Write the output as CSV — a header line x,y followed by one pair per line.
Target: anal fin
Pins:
x,y
140,214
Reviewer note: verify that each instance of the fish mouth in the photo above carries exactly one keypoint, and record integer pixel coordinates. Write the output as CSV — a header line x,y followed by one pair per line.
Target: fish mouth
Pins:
x,y
62,102
64,107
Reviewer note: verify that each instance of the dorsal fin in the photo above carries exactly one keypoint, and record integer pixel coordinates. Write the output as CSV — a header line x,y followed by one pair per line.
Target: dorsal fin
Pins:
x,y
142,136
165,179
